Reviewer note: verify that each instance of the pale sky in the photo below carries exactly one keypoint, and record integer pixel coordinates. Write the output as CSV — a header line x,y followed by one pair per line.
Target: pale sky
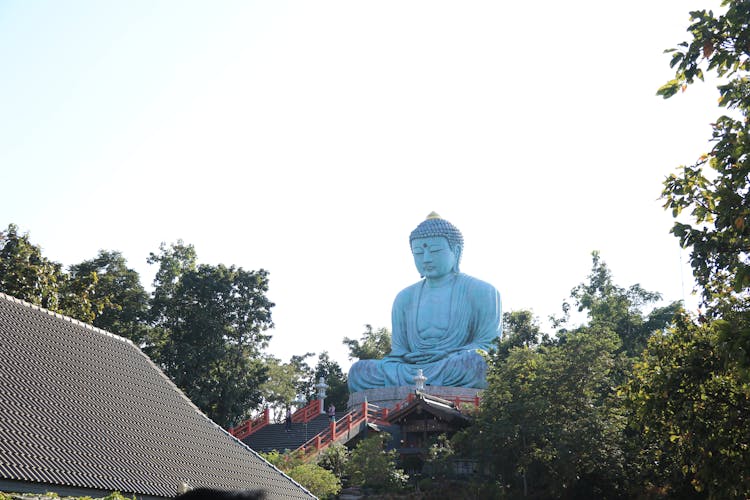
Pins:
x,y
309,138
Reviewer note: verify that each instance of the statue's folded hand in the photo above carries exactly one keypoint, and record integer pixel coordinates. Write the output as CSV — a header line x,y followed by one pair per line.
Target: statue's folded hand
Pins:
x,y
424,356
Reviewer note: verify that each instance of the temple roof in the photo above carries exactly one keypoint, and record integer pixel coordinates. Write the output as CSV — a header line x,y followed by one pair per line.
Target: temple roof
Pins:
x,y
83,408
439,408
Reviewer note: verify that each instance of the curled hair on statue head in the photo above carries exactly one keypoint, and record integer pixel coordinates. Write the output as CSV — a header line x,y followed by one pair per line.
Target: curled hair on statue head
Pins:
x,y
435,226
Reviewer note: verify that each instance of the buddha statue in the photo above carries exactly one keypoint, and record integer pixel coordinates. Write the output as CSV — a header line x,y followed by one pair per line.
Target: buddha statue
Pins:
x,y
439,323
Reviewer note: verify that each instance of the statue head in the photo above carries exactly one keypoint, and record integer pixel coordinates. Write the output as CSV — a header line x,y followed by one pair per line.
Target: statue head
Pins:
x,y
436,227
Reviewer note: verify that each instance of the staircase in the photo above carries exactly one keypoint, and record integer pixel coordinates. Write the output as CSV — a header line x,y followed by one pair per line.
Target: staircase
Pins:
x,y
276,437
312,432
344,429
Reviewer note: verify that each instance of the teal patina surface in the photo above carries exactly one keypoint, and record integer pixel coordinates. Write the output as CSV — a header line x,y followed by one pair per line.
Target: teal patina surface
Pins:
x,y
440,322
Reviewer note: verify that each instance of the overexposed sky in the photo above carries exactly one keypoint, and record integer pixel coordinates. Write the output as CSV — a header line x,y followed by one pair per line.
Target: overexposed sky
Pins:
x,y
310,138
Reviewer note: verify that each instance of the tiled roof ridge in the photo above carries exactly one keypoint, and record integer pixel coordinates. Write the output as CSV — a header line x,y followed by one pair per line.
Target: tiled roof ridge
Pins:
x,y
106,333
63,317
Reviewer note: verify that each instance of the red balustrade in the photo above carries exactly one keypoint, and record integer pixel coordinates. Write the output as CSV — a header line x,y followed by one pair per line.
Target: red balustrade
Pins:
x,y
303,415
250,426
362,413
309,412
459,400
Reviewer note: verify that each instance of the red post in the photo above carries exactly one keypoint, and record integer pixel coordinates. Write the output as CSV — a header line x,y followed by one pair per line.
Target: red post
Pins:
x,y
317,442
476,400
349,422
333,431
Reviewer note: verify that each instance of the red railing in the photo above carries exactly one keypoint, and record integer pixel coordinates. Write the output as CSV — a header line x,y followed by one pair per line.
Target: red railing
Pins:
x,y
309,412
361,414
456,400
250,426
365,413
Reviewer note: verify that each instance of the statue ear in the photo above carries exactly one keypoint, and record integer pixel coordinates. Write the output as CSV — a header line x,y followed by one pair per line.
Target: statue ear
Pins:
x,y
457,254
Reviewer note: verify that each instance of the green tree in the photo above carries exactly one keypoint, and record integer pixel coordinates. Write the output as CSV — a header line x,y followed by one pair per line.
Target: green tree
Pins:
x,y
374,344
320,482
711,198
438,462
117,301
334,458
338,391
612,307
305,382
371,466
689,412
211,321
520,329
715,190
27,274
549,423
285,461
279,391
689,396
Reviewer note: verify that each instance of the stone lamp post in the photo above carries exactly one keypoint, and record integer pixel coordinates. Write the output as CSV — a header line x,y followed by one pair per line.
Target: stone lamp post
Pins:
x,y
419,380
321,386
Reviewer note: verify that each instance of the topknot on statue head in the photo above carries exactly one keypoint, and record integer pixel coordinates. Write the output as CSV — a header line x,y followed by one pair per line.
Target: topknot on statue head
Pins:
x,y
435,225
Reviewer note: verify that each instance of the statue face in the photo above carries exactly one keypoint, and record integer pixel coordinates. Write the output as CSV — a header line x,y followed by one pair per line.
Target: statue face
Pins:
x,y
433,257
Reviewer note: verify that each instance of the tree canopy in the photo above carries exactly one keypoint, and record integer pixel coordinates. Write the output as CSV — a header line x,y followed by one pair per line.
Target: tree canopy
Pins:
x,y
373,344
25,273
211,322
204,325
714,191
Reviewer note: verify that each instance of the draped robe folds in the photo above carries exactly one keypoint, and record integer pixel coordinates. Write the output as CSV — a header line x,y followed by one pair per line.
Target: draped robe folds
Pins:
x,y
450,360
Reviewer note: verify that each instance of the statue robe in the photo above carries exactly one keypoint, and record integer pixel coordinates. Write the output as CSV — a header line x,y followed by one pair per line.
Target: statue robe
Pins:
x,y
452,359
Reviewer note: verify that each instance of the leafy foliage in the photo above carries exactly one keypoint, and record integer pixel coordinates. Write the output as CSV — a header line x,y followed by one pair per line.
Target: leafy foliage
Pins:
x,y
305,381
621,310
330,371
520,329
284,461
715,190
690,393
374,344
279,391
438,462
25,273
102,291
334,458
549,422
116,495
212,321
287,382
370,466
118,301
689,410
320,482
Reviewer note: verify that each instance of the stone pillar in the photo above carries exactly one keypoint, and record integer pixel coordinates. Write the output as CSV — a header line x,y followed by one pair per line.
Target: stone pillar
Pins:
x,y
419,380
322,386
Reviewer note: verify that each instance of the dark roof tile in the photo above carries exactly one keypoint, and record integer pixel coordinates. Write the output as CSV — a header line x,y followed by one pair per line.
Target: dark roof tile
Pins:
x,y
81,407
